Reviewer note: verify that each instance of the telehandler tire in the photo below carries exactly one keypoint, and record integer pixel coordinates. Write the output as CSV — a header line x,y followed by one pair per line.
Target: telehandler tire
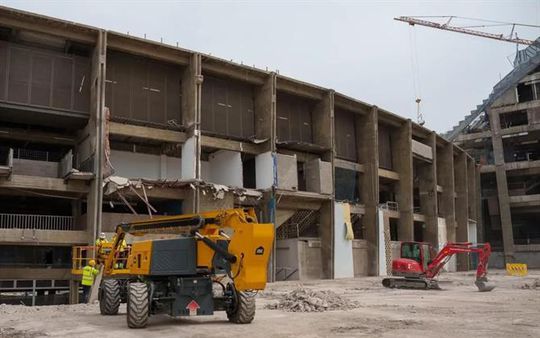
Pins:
x,y
109,300
244,310
138,306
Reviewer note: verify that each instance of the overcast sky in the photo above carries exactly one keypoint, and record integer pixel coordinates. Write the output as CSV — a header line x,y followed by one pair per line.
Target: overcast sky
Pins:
x,y
353,47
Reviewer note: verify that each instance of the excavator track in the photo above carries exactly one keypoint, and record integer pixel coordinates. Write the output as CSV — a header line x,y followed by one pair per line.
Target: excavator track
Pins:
x,y
410,283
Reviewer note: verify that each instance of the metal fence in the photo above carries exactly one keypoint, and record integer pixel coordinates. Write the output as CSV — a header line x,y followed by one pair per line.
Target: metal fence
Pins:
x,y
41,222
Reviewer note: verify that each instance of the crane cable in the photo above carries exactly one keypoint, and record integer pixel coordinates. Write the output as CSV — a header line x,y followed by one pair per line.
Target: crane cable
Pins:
x,y
415,75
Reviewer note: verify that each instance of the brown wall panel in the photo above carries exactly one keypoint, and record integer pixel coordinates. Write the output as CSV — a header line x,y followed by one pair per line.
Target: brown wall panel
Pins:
x,y
145,90
345,135
44,78
294,118
228,108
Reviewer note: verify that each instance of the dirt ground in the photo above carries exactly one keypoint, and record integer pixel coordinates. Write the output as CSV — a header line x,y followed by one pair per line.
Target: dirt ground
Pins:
x,y
459,310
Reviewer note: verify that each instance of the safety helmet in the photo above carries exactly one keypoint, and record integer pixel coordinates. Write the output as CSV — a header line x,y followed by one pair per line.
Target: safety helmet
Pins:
x,y
92,262
102,235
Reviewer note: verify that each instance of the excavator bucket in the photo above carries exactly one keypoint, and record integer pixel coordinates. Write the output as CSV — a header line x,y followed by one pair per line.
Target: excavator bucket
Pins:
x,y
483,285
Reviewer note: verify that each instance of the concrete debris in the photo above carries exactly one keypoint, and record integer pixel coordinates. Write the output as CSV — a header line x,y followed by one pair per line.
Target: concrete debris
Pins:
x,y
534,285
10,332
305,300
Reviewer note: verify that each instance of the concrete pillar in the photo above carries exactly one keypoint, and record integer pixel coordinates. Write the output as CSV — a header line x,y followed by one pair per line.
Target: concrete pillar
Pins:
x,y
192,80
323,124
73,292
471,189
264,111
368,153
479,209
427,174
327,238
96,133
502,187
403,165
462,205
445,178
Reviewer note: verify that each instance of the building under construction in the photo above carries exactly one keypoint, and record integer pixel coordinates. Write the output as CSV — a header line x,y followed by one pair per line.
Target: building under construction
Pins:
x,y
99,128
503,135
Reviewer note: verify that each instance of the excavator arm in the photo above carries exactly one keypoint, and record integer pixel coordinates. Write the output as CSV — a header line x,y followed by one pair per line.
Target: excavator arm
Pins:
x,y
450,249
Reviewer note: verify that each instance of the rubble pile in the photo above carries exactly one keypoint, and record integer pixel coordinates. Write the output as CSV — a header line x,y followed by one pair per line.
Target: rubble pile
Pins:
x,y
535,284
305,300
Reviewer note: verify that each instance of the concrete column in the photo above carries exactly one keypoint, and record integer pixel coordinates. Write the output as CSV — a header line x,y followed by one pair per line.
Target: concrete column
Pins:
x,y
462,205
471,189
428,194
73,292
264,110
445,178
323,124
403,165
323,134
479,209
327,236
96,134
502,187
368,153
192,80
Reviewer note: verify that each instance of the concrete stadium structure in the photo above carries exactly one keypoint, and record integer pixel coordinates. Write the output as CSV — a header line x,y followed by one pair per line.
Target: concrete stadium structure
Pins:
x,y
99,127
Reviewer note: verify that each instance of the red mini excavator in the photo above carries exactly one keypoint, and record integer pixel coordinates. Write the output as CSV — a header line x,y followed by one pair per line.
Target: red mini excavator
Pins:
x,y
419,267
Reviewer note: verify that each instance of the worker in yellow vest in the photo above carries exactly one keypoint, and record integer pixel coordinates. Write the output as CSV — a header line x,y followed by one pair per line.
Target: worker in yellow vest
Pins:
x,y
88,275
122,253
100,241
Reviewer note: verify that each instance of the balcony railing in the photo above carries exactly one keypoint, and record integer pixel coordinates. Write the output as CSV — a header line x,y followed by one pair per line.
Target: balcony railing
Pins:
x,y
40,222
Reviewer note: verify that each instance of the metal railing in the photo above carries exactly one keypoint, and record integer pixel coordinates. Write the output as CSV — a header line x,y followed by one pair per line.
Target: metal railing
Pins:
x,y
41,222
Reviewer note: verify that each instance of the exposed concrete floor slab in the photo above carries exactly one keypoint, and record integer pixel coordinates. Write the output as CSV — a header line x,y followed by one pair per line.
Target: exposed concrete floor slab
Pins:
x,y
458,310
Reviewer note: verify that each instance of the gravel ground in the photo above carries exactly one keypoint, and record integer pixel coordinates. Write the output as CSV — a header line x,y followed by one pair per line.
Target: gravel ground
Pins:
x,y
511,310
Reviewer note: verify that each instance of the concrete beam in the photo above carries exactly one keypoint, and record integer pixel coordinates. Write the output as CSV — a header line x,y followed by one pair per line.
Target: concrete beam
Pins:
x,y
339,163
148,48
42,237
146,133
232,70
32,273
515,107
388,174
525,200
502,186
225,144
47,184
36,136
296,87
22,20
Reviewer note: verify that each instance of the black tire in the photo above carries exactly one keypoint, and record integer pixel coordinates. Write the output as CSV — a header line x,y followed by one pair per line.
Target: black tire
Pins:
x,y
109,300
244,309
137,305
